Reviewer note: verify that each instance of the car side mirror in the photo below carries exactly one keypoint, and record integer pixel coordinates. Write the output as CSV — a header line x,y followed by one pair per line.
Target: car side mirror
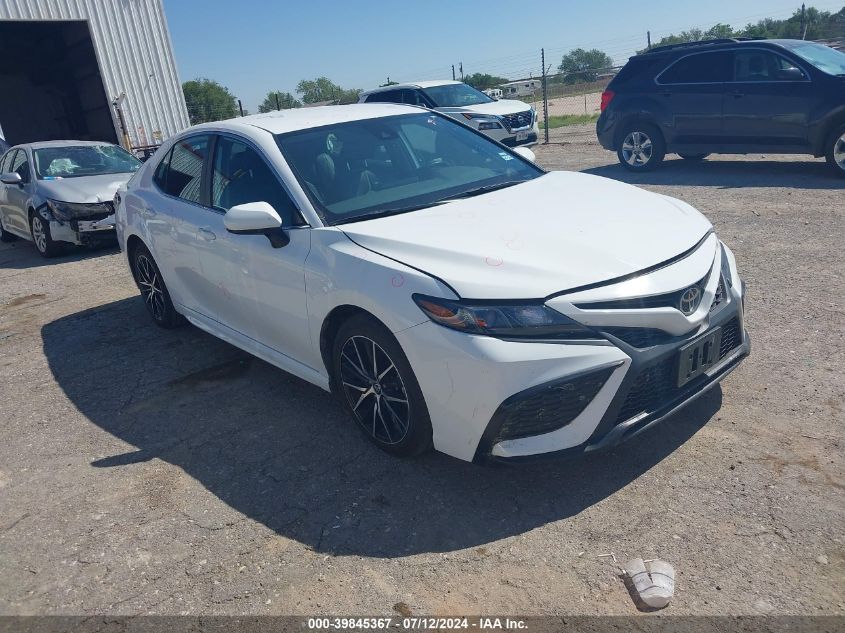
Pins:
x,y
256,218
790,74
11,178
526,153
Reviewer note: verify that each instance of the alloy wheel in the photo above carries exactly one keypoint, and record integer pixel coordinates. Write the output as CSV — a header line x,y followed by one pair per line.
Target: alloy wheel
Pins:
x,y
150,284
839,152
374,390
637,149
39,234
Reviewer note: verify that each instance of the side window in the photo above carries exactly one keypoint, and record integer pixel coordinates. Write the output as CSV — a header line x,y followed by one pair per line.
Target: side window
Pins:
x,y
20,164
5,160
699,68
240,175
760,65
388,96
183,177
160,175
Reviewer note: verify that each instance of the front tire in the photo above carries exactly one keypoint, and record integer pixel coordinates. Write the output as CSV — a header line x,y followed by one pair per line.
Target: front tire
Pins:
x,y
378,388
835,153
153,290
40,230
641,147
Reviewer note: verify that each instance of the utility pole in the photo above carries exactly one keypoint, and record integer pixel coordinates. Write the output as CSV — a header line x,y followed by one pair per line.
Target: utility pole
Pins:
x,y
803,21
545,96
278,105
453,72
461,65
241,107
648,37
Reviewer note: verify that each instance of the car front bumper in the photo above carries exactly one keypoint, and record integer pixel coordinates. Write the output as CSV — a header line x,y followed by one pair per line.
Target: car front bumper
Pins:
x,y
516,138
475,385
84,232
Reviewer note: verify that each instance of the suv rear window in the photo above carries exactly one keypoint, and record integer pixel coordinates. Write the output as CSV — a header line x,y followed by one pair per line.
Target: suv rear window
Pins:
x,y
714,67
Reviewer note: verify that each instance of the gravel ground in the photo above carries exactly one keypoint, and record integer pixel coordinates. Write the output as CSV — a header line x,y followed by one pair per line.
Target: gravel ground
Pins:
x,y
144,471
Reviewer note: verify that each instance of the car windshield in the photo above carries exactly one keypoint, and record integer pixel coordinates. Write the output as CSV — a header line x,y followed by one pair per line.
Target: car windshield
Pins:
x,y
376,167
83,160
825,58
455,96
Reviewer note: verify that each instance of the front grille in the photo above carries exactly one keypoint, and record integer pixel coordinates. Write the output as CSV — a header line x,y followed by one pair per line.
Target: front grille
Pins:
x,y
656,386
731,337
640,337
550,406
667,300
518,120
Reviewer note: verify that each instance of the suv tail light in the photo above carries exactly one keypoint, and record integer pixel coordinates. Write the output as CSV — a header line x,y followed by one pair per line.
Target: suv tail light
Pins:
x,y
606,98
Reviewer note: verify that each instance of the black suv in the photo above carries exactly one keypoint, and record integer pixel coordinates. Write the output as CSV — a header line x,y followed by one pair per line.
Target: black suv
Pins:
x,y
727,96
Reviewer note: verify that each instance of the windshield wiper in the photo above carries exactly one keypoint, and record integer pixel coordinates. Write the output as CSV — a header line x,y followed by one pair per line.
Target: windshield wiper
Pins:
x,y
479,190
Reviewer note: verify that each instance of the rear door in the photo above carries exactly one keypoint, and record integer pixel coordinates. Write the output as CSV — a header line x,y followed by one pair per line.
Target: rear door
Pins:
x,y
768,103
173,216
692,92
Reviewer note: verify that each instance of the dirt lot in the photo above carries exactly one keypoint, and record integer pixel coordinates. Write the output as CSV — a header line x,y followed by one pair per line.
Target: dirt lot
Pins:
x,y
144,471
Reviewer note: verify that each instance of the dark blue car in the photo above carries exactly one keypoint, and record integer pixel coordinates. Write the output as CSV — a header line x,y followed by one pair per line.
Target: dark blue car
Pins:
x,y
727,96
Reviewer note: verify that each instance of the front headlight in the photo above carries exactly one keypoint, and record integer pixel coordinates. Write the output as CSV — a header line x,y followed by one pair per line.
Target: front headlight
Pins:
x,y
502,320
484,121
65,211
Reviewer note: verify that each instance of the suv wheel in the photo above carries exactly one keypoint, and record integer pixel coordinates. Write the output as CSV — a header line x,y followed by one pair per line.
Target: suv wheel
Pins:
x,y
694,157
641,147
379,389
836,150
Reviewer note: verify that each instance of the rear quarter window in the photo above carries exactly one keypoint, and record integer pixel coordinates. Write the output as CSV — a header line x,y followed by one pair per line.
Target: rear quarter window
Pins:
x,y
638,69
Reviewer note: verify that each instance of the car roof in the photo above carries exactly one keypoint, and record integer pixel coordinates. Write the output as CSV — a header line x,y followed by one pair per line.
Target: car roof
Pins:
x,y
281,121
412,84
717,44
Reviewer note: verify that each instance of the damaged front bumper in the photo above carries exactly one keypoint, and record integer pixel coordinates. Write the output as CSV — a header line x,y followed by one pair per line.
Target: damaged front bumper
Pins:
x,y
82,227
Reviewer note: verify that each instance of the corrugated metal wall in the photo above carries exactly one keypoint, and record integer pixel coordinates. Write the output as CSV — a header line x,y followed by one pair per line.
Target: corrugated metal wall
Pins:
x,y
135,55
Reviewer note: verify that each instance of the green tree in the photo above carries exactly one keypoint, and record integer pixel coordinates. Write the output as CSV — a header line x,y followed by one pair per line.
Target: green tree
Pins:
x,y
323,89
276,99
582,65
207,100
483,81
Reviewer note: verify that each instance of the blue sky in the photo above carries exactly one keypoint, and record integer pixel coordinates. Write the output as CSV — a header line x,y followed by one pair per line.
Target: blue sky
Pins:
x,y
252,46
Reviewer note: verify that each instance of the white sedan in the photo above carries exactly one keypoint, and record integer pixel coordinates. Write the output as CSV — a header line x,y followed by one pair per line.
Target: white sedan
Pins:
x,y
451,292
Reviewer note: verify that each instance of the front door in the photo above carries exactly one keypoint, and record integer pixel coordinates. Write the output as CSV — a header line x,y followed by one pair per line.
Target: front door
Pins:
x,y
691,92
768,103
15,216
260,290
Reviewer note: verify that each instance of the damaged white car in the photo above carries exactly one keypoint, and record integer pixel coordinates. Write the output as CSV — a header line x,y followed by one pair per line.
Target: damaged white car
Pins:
x,y
55,193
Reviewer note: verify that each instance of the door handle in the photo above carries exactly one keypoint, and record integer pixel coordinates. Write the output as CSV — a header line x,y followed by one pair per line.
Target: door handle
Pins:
x,y
666,93
207,234
737,94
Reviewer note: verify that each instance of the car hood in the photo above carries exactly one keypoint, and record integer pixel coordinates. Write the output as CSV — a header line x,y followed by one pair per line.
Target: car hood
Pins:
x,y
83,189
560,231
498,108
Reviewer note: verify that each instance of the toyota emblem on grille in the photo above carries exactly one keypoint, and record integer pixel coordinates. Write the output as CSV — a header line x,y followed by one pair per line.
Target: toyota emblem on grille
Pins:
x,y
690,299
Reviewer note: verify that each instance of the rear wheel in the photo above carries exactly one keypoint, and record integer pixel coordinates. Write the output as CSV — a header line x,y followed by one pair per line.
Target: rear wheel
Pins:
x,y
694,157
379,389
40,230
641,147
836,150
153,290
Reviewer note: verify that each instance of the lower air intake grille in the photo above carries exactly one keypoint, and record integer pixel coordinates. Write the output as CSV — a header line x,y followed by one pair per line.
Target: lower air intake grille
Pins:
x,y
550,406
656,386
